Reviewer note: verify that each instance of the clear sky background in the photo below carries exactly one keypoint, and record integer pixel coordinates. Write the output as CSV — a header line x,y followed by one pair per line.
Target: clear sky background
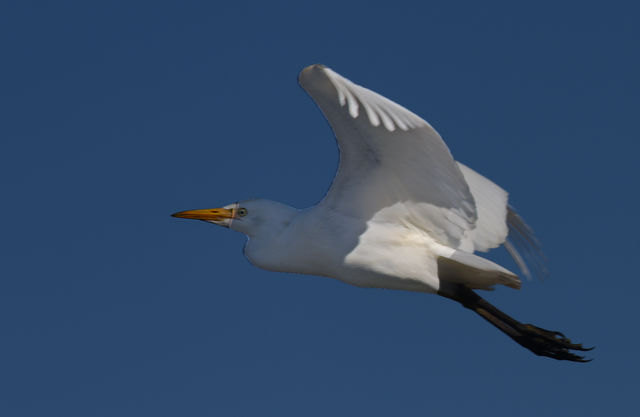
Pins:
x,y
116,114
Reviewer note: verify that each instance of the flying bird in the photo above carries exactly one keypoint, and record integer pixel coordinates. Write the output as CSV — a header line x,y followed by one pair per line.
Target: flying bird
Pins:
x,y
401,214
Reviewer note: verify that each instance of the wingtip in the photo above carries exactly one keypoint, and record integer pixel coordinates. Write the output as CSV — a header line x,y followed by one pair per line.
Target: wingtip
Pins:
x,y
313,67
310,72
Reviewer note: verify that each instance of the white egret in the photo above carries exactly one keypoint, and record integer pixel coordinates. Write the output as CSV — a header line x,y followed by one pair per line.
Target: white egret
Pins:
x,y
401,214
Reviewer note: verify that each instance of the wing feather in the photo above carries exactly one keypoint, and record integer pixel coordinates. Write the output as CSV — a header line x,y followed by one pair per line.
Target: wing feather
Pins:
x,y
393,164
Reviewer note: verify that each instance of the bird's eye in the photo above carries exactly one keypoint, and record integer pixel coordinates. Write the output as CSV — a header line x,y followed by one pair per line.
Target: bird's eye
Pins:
x,y
242,212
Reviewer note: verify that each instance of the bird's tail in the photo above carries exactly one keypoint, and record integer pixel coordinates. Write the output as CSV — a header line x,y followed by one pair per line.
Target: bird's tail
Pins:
x,y
540,341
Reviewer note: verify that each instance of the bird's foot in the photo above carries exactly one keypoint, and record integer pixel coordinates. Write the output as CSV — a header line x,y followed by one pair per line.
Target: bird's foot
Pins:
x,y
548,343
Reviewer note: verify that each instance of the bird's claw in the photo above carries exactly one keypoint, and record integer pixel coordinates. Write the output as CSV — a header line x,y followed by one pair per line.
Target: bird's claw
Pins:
x,y
550,343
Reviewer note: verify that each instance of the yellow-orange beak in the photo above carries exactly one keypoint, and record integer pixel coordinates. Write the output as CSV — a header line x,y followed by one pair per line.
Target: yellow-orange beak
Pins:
x,y
216,214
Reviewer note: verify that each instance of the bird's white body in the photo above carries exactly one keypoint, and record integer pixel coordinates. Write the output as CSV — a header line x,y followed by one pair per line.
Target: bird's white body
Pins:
x,y
319,241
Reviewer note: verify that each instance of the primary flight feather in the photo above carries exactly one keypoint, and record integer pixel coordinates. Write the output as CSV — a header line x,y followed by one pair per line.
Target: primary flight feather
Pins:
x,y
401,214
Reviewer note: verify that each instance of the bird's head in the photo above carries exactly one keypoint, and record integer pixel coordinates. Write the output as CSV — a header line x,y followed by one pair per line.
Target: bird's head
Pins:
x,y
251,217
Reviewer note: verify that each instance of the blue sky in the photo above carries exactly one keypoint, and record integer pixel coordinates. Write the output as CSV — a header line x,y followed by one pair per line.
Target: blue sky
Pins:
x,y
116,114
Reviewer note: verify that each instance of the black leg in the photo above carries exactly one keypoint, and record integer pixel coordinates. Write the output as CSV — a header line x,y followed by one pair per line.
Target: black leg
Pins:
x,y
540,341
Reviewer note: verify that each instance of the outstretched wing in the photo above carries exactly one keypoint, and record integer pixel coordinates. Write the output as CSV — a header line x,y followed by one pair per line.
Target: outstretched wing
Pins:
x,y
393,164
